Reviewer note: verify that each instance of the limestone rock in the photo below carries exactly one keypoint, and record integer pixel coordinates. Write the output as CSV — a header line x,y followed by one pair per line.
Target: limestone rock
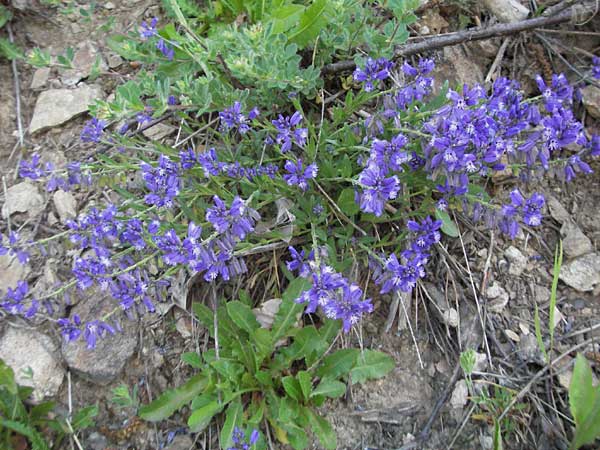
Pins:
x,y
104,363
591,100
557,210
582,273
86,58
498,297
11,271
460,395
57,106
40,78
517,261
575,243
507,10
29,352
24,197
65,204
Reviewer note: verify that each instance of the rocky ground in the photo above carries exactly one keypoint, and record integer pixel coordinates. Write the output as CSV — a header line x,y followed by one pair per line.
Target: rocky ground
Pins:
x,y
481,278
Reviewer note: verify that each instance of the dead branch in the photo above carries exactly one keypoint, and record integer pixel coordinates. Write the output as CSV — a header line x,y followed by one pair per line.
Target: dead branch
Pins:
x,y
473,34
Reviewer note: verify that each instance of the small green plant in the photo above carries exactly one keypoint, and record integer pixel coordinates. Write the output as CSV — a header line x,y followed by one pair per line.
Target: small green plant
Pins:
x,y
124,398
280,374
584,401
17,420
558,257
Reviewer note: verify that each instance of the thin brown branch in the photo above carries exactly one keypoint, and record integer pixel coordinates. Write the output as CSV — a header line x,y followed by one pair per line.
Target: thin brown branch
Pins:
x,y
473,34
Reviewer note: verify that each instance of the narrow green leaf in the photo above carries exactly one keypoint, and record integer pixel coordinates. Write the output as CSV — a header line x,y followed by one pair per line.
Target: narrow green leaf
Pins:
x,y
558,256
7,378
312,20
370,365
322,429
201,417
242,316
37,440
292,387
193,359
538,331
329,388
581,390
497,436
84,418
288,311
347,203
448,226
233,418
173,399
338,364
305,380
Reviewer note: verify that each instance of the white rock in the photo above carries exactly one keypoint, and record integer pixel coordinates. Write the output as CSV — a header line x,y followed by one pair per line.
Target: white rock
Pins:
x,y
86,59
451,318
11,271
575,243
66,205
591,100
265,315
109,5
582,273
507,10
29,351
498,297
557,210
57,106
517,261
460,395
158,131
24,197
40,77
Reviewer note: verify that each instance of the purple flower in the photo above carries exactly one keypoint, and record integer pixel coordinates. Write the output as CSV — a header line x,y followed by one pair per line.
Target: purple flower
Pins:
x,y
427,233
234,118
527,210
93,129
288,131
558,93
349,306
575,165
389,155
298,176
188,158
172,100
94,330
398,276
31,169
148,30
596,67
377,190
238,219
144,116
298,263
70,329
375,70
163,182
239,439
165,49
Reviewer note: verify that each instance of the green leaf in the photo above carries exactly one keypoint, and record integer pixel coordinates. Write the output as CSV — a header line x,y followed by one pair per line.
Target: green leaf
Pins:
x,y
37,440
193,359
497,436
329,388
242,316
338,364
7,378
370,365
173,399
285,17
233,418
84,418
322,429
201,417
5,15
312,21
288,311
347,203
292,387
305,380
448,226
581,390
9,50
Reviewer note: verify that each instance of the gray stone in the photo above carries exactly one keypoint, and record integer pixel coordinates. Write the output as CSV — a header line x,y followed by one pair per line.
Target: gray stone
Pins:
x,y
575,243
507,10
66,205
86,58
24,197
40,77
591,100
528,349
104,363
557,210
460,395
498,297
181,442
158,131
517,261
582,273
32,356
109,5
114,60
57,106
11,271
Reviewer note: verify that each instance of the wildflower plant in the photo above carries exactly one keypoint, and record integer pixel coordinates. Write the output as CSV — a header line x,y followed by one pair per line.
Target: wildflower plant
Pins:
x,y
328,190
